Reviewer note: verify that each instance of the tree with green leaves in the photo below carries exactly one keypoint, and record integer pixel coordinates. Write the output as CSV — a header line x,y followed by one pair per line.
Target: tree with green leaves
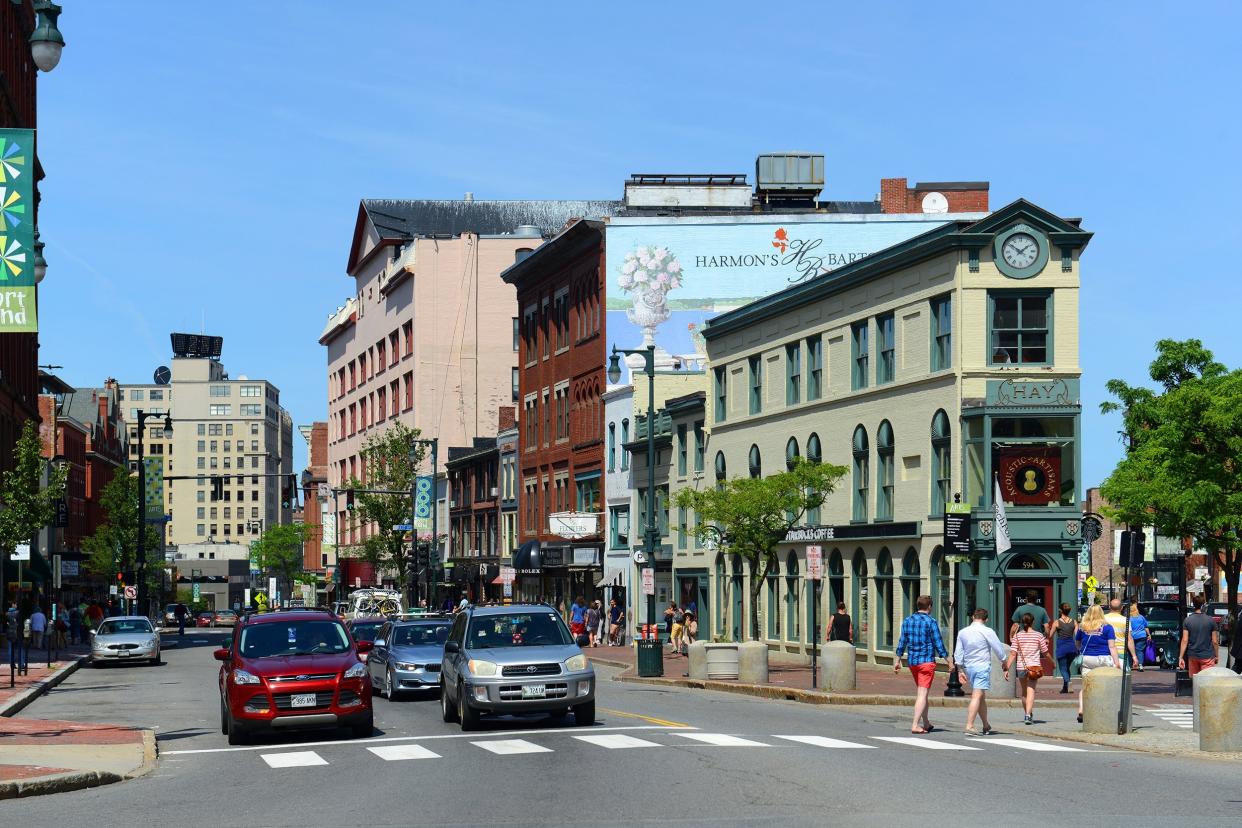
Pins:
x,y
390,460
113,547
26,505
753,515
279,550
1182,472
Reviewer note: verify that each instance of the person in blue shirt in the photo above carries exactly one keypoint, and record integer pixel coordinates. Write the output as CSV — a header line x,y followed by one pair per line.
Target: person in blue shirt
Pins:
x,y
577,617
1138,634
921,643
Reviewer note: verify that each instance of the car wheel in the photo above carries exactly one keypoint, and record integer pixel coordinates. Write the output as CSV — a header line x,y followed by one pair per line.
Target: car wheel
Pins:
x,y
447,710
584,714
389,692
236,735
468,715
155,660
224,719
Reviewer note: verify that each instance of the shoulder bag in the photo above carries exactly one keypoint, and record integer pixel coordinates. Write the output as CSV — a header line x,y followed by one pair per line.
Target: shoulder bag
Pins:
x,y
1076,664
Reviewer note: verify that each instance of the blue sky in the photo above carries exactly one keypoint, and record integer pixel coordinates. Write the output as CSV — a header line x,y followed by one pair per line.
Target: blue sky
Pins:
x,y
205,160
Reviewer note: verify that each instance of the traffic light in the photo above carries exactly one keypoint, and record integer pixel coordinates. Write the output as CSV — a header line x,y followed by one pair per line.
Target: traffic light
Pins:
x,y
217,488
288,492
349,500
1133,548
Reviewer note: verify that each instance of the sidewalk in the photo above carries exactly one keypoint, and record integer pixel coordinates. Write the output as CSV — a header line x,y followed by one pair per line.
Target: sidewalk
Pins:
x,y
40,756
876,685
38,679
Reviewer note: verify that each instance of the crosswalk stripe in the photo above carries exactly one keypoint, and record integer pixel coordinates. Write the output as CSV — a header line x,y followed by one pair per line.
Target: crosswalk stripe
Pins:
x,y
825,742
930,744
1037,746
507,747
615,741
396,753
294,759
721,740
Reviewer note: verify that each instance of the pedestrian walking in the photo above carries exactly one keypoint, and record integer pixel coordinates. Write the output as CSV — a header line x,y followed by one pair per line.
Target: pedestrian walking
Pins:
x,y
1121,643
616,624
976,644
692,630
1200,640
1138,636
577,617
1030,603
180,612
677,628
75,625
1029,648
841,628
38,627
592,624
1064,648
921,643
14,636
1095,646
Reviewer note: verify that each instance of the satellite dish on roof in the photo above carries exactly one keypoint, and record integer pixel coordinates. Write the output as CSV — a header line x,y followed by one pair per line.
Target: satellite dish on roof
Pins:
x,y
162,375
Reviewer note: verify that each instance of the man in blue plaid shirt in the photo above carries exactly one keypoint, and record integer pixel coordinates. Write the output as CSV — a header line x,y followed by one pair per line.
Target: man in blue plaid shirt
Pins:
x,y
921,643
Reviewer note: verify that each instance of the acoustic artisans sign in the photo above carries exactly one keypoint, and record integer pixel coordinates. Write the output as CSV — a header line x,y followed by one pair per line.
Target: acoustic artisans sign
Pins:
x,y
17,227
1030,476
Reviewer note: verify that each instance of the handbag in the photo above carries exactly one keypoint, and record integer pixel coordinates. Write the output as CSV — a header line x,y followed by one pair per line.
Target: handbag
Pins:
x,y
1076,664
1149,654
1035,672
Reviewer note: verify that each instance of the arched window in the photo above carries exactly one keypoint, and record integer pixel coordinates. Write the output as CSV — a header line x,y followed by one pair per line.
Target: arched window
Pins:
x,y
791,453
756,465
836,581
612,447
719,620
773,582
720,470
942,462
813,455
884,600
911,572
792,631
858,590
941,584
862,473
625,438
736,608
884,471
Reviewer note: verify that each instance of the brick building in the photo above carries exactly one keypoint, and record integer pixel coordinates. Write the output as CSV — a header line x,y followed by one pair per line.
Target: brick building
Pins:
x,y
474,517
933,196
314,511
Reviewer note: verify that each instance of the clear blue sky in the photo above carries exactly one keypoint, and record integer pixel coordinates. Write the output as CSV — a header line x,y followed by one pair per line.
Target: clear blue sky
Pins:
x,y
205,160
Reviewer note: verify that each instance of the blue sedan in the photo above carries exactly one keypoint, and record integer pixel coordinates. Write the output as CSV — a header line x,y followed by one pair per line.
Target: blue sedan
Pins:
x,y
407,655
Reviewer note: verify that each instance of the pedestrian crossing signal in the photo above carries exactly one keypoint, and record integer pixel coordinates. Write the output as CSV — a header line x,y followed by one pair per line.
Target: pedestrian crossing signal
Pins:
x,y
349,499
289,488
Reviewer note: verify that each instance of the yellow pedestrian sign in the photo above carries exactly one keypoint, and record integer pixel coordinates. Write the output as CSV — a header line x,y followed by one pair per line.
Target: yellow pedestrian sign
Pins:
x,y
1091,583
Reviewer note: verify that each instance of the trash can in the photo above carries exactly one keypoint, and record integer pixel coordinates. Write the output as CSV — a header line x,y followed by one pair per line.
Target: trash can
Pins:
x,y
650,658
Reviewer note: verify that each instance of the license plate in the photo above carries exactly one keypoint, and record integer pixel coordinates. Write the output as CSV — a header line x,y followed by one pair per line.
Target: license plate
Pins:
x,y
303,700
533,691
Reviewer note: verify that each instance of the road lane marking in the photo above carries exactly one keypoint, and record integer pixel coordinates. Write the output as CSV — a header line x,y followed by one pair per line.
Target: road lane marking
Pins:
x,y
1039,746
397,753
508,747
923,743
377,739
614,741
824,741
297,759
652,719
721,740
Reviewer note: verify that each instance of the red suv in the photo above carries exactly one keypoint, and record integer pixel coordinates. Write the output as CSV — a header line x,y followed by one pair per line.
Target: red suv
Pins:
x,y
293,670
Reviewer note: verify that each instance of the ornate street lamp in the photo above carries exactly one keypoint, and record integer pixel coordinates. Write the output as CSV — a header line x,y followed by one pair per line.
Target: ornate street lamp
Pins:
x,y
46,42
40,263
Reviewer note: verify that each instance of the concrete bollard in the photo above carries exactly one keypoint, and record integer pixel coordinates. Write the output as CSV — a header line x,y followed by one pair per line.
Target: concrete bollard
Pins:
x,y
1002,689
1219,710
698,660
840,666
1101,695
752,662
1203,675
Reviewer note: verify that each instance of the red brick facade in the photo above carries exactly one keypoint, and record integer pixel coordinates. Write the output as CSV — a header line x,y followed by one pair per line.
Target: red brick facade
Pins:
x,y
316,472
962,196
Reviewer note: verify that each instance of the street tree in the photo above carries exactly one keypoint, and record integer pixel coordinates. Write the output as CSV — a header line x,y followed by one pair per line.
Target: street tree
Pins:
x,y
1182,472
26,504
751,516
279,550
390,461
113,547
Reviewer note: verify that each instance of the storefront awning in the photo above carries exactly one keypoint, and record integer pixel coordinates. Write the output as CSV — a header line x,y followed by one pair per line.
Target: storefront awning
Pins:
x,y
615,579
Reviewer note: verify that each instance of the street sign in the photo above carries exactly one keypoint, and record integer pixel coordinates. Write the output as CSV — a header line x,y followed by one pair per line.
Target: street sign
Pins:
x,y
131,592
423,487
648,581
507,575
814,562
197,592
1201,573
271,586
1092,583
957,528
112,589
403,527
246,596
21,552
325,491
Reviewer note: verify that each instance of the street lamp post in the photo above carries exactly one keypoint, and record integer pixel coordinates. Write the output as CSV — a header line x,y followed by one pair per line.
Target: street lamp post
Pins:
x,y
141,554
651,534
434,442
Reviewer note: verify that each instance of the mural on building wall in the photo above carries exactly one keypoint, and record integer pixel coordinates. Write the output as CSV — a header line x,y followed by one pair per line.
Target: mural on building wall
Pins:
x,y
666,279
17,260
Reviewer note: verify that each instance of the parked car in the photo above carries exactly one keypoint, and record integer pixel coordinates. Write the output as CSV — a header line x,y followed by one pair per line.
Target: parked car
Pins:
x,y
205,619
225,618
1164,625
125,638
290,670
516,659
407,655
364,629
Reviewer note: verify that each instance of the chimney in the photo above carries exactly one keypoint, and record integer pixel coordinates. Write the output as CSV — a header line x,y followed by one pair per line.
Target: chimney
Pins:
x,y
507,419
469,197
893,195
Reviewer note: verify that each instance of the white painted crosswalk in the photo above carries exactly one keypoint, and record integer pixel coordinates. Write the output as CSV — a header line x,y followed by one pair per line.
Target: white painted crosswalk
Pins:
x,y
927,744
1180,716
294,759
397,753
616,741
721,740
1022,744
824,742
510,747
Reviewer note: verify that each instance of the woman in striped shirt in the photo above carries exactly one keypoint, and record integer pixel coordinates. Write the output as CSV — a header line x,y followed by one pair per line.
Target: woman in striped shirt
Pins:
x,y
1028,649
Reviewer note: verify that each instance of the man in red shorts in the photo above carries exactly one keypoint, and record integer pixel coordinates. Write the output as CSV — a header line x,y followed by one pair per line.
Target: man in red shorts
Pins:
x,y
1200,640
921,643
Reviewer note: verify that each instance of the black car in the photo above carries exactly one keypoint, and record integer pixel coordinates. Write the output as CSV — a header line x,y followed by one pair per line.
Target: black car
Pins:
x,y
1164,625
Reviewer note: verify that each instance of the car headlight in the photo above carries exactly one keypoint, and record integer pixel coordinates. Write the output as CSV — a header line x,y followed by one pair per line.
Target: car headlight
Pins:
x,y
576,663
242,677
402,665
152,641
481,668
357,671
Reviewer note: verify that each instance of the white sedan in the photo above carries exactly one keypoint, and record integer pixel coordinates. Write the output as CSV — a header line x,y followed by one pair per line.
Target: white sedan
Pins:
x,y
125,638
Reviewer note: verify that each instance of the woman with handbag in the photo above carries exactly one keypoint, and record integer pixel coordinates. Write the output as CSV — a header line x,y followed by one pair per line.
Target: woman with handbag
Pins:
x,y
1061,636
1029,647
1095,639
1138,636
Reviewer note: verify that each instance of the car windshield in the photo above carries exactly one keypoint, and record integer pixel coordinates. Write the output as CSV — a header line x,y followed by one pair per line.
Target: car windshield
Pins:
x,y
1162,615
534,629
365,631
124,626
420,635
282,638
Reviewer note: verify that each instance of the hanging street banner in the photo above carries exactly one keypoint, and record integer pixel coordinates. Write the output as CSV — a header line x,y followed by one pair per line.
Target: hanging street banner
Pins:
x,y
17,227
154,472
957,530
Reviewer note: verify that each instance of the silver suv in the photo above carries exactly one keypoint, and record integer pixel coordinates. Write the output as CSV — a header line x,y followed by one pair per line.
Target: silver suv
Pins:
x,y
517,659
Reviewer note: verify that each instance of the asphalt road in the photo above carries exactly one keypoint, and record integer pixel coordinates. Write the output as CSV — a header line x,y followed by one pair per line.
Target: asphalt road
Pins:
x,y
656,755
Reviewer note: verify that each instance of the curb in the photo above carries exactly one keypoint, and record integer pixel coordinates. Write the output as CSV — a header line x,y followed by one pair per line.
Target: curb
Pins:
x,y
57,783
24,698
150,752
1087,738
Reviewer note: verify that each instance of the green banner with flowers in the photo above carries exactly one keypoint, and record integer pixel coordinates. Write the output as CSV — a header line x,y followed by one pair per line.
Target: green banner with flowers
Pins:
x,y
154,467
17,227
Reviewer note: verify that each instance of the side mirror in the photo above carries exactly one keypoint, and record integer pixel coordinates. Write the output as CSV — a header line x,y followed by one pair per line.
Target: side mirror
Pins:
x,y
379,642
365,646
221,654
452,647
92,632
